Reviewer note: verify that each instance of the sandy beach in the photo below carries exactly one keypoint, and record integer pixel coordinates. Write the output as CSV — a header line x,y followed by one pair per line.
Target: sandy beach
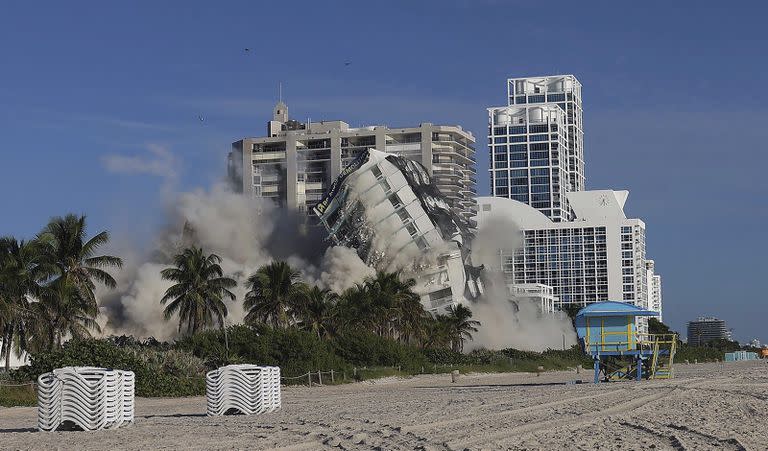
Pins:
x,y
707,406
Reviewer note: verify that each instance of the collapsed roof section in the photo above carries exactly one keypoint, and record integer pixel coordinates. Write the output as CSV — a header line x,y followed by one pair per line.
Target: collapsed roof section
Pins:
x,y
387,209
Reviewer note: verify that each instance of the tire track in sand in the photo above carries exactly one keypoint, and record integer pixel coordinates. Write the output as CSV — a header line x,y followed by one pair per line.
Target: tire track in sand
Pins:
x,y
534,408
683,438
529,428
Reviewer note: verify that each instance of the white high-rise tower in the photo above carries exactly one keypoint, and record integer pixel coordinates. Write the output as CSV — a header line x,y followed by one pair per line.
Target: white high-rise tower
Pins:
x,y
537,143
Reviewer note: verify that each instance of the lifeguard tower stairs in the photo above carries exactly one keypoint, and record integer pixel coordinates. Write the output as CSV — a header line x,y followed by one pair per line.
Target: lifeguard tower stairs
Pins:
x,y
607,332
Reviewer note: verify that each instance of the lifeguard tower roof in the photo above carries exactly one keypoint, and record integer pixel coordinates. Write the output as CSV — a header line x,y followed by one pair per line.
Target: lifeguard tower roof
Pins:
x,y
614,308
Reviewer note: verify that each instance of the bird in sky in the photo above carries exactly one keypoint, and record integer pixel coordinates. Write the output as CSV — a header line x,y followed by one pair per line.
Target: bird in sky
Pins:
x,y
200,118
347,63
247,49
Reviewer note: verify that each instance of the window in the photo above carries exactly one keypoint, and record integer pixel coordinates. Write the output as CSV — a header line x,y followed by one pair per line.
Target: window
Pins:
x,y
376,171
517,130
518,148
538,128
556,97
395,200
539,138
412,230
500,131
520,99
536,99
540,146
500,140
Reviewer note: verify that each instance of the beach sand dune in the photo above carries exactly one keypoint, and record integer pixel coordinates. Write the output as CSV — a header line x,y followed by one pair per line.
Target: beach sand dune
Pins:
x,y
707,406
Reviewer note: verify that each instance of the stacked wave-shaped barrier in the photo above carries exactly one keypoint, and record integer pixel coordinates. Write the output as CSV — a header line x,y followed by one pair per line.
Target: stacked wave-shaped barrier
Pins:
x,y
246,389
90,398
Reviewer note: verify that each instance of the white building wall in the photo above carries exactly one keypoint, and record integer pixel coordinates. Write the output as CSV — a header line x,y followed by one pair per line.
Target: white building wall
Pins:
x,y
599,256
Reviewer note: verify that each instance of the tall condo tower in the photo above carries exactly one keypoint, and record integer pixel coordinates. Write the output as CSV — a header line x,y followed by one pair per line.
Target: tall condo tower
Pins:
x,y
537,143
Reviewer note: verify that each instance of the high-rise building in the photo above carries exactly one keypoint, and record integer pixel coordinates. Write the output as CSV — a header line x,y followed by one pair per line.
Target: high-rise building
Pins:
x,y
706,329
599,256
565,91
296,162
536,143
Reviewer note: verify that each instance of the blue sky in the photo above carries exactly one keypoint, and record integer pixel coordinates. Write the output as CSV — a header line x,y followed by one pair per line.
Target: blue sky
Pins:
x,y
674,108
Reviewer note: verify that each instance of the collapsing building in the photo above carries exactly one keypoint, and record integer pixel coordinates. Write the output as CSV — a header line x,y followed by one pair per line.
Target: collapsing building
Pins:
x,y
387,208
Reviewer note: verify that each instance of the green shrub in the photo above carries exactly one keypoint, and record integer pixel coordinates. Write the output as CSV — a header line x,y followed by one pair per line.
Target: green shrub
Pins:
x,y
11,396
158,373
296,352
362,348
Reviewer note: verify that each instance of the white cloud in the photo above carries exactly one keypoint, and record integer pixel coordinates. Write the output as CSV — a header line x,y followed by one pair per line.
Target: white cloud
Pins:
x,y
159,162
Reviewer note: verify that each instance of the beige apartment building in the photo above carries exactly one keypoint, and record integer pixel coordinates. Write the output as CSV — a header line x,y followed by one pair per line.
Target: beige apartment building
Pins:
x,y
295,164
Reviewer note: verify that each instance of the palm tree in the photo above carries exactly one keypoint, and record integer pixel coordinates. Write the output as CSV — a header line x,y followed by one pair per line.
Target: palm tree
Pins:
x,y
73,257
462,326
438,332
20,277
315,311
274,290
62,311
401,309
197,296
355,309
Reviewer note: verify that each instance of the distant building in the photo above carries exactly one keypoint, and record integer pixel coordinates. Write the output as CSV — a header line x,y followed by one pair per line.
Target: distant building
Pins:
x,y
706,329
295,164
653,281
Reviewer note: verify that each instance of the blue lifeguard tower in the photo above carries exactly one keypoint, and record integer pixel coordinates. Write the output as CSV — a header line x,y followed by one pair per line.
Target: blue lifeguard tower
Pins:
x,y
607,332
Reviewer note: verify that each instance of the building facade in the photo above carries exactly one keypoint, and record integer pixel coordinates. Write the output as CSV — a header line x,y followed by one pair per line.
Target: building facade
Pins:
x,y
706,329
529,162
599,256
536,143
295,164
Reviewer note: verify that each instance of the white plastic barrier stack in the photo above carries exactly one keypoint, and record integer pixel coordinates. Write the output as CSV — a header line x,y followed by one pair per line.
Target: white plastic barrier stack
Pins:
x,y
246,389
91,398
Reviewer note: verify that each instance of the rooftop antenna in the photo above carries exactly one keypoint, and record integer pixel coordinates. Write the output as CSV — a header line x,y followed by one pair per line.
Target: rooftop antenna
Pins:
x,y
280,91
